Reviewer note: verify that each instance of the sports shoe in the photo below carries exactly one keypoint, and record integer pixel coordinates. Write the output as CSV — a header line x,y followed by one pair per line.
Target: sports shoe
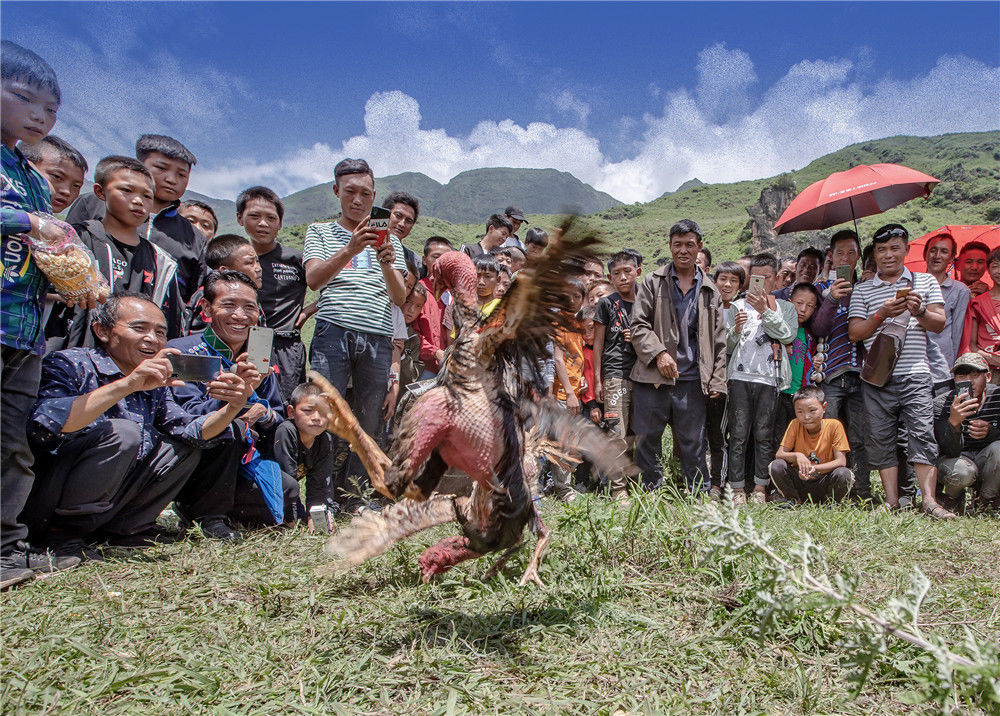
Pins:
x,y
715,493
905,503
758,498
45,560
215,528
75,548
155,535
13,572
739,497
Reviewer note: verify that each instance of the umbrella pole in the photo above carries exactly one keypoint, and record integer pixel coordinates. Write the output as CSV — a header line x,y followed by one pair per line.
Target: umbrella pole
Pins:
x,y
850,200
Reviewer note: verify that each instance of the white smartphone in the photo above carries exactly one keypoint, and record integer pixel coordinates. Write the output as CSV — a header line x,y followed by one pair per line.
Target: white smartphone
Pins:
x,y
259,348
756,284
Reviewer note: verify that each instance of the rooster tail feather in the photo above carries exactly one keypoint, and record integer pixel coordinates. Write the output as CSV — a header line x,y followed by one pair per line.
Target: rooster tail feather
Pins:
x,y
374,533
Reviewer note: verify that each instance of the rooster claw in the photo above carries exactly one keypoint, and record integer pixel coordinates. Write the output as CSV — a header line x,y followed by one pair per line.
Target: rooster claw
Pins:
x,y
531,575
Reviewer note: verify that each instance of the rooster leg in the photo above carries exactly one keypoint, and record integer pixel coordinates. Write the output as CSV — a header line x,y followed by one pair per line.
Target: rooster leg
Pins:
x,y
531,573
495,569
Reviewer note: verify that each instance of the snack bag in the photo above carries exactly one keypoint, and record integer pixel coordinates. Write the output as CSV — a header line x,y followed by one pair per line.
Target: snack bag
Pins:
x,y
66,262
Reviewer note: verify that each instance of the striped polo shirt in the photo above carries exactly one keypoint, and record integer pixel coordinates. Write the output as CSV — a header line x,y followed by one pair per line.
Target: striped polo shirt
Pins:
x,y
869,296
356,298
841,352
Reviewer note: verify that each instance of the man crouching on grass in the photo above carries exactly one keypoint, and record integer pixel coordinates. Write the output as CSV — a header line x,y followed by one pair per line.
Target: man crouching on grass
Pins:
x,y
112,446
811,462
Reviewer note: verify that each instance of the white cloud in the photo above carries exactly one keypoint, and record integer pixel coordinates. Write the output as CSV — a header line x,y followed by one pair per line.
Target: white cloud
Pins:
x,y
568,103
711,132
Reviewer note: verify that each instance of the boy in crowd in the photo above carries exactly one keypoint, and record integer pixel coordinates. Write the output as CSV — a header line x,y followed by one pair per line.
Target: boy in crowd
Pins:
x,y
404,210
805,298
972,265
535,241
433,338
61,165
517,259
841,362
967,429
807,267
169,162
502,255
942,348
728,278
30,101
759,328
113,445
912,301
230,304
201,216
498,229
126,259
613,352
982,319
598,290
487,276
593,271
282,284
811,461
359,282
503,283
226,252
303,448
411,367
705,260
516,217
569,385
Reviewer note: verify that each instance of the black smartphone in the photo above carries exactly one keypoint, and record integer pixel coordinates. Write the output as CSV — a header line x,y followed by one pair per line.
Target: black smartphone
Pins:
x,y
194,368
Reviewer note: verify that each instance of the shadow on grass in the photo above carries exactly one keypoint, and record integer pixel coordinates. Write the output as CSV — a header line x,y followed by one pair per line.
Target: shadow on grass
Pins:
x,y
500,632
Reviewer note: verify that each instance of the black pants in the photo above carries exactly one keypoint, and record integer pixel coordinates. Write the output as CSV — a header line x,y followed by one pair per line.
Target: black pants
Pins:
x,y
751,416
717,428
216,490
94,482
290,358
682,406
21,371
830,486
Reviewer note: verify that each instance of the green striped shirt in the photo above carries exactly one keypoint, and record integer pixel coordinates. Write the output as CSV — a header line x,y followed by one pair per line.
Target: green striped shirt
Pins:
x,y
356,298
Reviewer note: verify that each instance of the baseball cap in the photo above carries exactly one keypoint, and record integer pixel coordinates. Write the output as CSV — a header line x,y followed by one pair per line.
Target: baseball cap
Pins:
x,y
970,362
514,213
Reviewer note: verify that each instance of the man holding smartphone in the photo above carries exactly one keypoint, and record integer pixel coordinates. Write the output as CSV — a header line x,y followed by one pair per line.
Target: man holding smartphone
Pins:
x,y
113,446
967,428
358,282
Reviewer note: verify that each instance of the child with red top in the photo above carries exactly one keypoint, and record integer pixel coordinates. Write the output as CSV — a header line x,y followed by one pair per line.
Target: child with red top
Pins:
x,y
433,339
982,320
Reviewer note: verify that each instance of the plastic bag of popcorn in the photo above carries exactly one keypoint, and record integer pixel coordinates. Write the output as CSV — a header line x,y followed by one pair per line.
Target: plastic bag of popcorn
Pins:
x,y
68,264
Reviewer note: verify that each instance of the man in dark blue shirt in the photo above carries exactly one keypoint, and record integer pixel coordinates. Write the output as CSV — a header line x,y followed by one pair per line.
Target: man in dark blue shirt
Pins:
x,y
112,446
217,494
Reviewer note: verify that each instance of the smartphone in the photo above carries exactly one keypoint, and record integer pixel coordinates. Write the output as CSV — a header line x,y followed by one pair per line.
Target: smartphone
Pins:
x,y
194,368
756,284
380,222
903,292
963,386
844,272
259,348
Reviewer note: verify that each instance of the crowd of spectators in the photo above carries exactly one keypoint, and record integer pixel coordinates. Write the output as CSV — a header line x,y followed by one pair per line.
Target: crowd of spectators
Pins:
x,y
785,380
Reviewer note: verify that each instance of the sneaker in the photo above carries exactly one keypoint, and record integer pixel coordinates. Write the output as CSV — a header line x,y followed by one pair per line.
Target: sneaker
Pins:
x,y
953,504
739,498
758,498
715,493
13,571
44,560
155,535
216,528
905,503
75,548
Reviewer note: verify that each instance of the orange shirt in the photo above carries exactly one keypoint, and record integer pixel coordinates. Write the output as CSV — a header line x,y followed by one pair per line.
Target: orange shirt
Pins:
x,y
818,447
572,347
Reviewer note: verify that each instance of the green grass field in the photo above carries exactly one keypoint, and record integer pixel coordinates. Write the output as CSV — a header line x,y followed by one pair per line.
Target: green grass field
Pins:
x,y
635,618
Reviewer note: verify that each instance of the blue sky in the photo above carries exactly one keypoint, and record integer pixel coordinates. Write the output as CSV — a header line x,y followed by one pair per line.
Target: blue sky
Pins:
x,y
633,98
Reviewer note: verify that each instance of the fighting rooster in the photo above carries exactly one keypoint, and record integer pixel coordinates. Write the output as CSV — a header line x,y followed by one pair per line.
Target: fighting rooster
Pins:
x,y
484,417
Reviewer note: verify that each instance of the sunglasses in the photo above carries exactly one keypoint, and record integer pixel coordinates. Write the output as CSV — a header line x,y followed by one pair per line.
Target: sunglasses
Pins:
x,y
892,233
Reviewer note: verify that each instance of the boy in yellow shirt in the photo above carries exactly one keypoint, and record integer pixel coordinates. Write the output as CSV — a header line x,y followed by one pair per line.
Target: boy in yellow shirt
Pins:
x,y
811,462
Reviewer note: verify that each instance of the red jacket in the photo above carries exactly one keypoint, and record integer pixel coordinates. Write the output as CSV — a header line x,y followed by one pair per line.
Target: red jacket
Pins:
x,y
428,327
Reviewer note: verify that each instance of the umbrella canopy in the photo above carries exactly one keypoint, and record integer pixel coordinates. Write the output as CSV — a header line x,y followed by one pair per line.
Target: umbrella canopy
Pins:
x,y
852,194
989,235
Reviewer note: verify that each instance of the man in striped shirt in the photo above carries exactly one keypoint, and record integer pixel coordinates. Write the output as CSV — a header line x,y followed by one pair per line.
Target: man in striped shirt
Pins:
x,y
358,281
897,295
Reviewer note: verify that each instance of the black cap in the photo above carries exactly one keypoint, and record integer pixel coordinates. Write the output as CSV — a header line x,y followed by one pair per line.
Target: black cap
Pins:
x,y
513,212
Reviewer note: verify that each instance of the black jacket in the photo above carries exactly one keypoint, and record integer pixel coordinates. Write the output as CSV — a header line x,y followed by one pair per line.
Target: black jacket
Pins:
x,y
951,442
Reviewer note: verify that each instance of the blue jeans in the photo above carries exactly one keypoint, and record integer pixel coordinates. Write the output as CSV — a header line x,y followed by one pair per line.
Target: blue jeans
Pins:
x,y
345,356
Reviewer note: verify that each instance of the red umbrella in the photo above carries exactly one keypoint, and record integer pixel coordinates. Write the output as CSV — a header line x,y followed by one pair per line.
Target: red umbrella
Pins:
x,y
845,196
989,235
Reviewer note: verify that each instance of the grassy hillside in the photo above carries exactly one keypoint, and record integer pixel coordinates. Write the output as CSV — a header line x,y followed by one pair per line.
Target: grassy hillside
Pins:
x,y
967,164
635,618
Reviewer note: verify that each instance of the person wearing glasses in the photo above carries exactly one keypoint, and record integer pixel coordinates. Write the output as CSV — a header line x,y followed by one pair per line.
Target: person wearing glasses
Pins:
x,y
897,298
